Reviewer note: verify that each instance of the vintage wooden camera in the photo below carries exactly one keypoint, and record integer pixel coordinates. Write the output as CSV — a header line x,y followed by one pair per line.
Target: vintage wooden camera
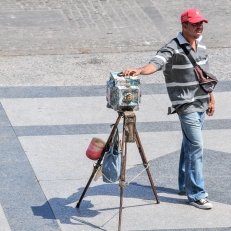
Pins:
x,y
123,93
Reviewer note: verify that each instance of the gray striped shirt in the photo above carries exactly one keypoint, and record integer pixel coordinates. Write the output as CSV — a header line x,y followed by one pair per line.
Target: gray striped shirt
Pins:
x,y
182,85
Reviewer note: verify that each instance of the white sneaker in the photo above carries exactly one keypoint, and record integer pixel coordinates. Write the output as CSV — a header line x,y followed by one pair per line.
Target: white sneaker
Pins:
x,y
202,204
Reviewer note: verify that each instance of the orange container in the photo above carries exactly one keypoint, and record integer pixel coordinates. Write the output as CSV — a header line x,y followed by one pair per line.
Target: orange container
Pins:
x,y
95,148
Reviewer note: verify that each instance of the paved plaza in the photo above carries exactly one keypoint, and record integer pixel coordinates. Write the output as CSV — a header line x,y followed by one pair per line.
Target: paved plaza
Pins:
x,y
56,56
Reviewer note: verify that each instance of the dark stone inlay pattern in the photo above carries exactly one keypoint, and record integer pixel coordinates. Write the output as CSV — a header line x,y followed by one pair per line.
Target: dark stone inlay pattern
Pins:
x,y
105,128
19,189
85,91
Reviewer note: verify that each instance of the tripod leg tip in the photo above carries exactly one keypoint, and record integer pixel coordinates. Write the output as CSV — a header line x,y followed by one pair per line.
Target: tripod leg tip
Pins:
x,y
77,205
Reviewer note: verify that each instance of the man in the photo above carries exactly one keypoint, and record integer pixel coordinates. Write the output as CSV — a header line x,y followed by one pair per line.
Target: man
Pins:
x,y
188,99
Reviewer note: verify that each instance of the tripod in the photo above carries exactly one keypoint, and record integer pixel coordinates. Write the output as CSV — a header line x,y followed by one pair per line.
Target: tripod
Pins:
x,y
129,134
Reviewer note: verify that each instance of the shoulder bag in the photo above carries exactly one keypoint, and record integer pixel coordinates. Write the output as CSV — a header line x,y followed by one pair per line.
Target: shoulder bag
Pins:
x,y
206,80
112,161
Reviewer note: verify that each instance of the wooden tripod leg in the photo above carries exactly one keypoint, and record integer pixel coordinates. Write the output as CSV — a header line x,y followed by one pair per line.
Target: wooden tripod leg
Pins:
x,y
100,159
122,177
145,163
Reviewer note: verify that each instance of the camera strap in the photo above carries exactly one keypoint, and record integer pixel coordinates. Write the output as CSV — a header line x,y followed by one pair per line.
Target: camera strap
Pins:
x,y
192,60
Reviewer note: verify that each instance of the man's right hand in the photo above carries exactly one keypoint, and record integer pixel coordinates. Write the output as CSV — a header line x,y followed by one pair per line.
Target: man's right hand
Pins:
x,y
132,72
147,70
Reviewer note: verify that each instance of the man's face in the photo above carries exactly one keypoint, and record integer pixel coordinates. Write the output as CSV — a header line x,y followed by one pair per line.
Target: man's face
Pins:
x,y
193,30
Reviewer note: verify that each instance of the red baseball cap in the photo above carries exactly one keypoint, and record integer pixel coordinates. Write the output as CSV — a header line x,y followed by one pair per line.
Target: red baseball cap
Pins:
x,y
192,15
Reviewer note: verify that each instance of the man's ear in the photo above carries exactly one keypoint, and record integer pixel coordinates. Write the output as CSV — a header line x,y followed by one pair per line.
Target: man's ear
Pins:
x,y
184,25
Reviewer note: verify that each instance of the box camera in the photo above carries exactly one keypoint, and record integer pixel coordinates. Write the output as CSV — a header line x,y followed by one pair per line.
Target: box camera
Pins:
x,y
123,93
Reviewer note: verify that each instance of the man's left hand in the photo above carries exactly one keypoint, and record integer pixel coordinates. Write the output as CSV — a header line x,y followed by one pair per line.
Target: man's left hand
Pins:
x,y
211,109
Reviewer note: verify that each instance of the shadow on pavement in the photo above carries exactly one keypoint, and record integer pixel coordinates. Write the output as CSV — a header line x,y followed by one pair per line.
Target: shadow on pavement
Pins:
x,y
164,171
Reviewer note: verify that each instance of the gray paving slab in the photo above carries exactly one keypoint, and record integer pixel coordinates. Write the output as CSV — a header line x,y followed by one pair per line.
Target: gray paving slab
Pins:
x,y
24,112
59,151
218,140
52,150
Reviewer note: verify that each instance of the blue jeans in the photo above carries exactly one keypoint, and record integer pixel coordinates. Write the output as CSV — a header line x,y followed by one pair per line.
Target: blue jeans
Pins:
x,y
191,177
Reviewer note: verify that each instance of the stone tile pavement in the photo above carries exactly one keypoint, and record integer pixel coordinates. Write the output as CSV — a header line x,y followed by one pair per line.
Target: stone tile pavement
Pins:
x,y
31,27
56,56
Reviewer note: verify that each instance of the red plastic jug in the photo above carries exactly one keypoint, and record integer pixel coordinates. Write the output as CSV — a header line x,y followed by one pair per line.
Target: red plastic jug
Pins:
x,y
95,148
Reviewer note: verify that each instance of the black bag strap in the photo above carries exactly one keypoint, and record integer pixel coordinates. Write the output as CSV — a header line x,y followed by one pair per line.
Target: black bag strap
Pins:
x,y
192,60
